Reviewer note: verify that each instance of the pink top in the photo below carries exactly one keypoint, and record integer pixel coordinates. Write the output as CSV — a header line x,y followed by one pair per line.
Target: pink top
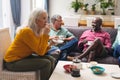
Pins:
x,y
90,35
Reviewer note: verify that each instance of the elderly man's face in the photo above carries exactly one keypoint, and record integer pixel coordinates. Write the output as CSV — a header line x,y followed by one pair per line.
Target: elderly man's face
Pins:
x,y
96,25
58,23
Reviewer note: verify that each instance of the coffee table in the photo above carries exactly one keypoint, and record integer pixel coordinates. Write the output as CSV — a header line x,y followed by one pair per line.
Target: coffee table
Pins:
x,y
86,73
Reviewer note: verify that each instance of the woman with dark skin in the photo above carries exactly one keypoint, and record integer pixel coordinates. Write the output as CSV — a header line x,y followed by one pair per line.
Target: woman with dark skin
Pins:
x,y
100,39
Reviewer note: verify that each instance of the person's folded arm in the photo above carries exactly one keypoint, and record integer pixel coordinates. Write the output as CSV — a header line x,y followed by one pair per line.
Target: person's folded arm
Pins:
x,y
38,45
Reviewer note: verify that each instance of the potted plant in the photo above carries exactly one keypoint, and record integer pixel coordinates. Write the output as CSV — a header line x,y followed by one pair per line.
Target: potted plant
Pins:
x,y
85,8
105,4
93,8
111,6
76,5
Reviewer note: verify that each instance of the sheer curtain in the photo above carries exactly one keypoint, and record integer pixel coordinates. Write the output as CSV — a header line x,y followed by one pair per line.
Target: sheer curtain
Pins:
x,y
43,4
38,4
7,17
1,20
6,10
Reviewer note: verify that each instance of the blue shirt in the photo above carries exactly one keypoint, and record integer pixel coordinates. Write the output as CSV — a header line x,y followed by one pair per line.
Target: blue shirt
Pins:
x,y
62,31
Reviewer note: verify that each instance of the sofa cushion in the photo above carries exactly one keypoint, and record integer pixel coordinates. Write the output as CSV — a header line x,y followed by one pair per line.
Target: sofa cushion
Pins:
x,y
107,60
112,32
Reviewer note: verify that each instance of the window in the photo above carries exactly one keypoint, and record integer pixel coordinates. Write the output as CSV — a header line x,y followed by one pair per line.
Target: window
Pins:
x,y
1,19
5,15
38,4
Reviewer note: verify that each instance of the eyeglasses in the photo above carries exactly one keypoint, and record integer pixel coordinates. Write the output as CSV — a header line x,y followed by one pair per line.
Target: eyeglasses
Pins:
x,y
59,20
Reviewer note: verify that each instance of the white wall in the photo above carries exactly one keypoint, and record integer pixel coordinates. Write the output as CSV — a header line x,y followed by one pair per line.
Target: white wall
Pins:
x,y
61,7
117,11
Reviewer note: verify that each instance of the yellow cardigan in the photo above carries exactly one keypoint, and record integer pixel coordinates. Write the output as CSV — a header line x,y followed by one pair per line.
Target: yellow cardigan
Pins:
x,y
25,43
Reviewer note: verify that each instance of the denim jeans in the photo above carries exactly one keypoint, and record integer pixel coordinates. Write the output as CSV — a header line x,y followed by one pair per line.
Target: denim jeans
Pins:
x,y
65,49
53,48
116,52
70,45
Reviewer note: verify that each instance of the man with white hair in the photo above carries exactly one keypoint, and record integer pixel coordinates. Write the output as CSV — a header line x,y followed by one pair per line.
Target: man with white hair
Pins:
x,y
57,31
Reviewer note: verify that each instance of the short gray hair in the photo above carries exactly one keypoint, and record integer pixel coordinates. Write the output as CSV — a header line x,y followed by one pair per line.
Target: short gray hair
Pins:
x,y
54,18
32,19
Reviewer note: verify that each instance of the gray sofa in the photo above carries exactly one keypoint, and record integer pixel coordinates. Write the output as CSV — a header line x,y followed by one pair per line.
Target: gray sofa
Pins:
x,y
77,31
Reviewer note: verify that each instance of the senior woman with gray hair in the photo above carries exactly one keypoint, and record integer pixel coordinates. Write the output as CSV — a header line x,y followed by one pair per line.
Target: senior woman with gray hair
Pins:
x,y
32,39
